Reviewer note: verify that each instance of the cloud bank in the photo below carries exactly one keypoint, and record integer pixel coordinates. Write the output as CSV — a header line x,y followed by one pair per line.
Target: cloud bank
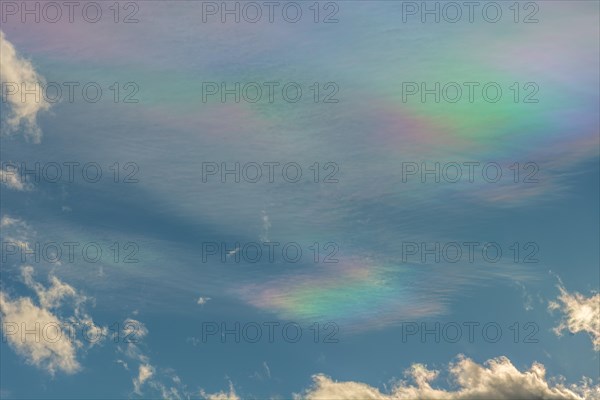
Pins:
x,y
496,379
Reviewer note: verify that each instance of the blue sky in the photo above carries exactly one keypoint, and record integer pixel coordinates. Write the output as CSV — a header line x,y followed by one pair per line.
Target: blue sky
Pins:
x,y
364,241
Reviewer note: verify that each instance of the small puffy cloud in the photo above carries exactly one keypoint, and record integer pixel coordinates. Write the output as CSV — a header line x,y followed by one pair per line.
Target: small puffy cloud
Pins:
x,y
49,343
231,395
203,300
266,226
39,346
15,226
94,334
14,232
497,378
9,242
582,314
132,327
16,71
133,332
11,180
124,364
7,221
146,371
52,296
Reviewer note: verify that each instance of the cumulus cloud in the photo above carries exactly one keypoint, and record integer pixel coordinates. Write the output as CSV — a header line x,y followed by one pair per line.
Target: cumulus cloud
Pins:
x,y
16,71
52,296
15,235
11,180
146,371
582,314
133,331
231,395
134,328
21,314
38,333
203,300
497,378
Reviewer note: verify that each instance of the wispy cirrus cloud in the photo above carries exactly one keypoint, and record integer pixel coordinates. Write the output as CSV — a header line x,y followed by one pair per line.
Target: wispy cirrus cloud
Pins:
x,y
149,378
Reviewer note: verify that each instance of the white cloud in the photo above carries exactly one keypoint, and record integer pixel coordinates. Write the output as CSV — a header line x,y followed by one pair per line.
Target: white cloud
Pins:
x,y
15,70
11,180
221,395
146,371
266,226
267,369
7,221
203,300
15,232
124,364
133,331
497,378
265,374
21,244
16,226
50,345
52,296
148,377
40,347
582,314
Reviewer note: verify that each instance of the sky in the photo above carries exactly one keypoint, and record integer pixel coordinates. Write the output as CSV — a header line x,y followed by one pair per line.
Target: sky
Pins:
x,y
299,200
